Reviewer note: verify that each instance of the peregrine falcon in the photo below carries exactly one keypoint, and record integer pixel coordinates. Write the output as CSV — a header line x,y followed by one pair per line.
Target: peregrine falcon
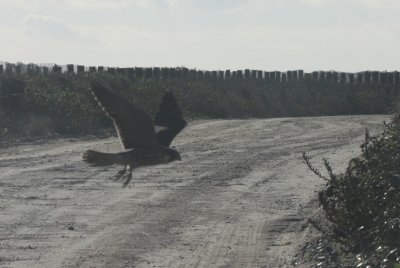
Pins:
x,y
146,143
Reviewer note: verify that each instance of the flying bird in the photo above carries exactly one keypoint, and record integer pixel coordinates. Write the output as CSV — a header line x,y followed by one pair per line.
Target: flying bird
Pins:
x,y
145,142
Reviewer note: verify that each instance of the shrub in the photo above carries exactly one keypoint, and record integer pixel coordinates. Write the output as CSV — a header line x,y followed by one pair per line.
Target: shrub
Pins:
x,y
363,203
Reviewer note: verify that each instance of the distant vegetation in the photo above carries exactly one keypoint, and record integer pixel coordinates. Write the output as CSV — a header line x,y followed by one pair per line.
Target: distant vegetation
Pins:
x,y
41,104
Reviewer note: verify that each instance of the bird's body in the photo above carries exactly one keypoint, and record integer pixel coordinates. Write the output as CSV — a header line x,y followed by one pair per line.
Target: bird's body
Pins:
x,y
142,144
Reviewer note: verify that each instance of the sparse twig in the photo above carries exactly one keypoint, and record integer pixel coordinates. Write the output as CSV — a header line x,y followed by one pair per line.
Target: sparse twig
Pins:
x,y
312,168
328,168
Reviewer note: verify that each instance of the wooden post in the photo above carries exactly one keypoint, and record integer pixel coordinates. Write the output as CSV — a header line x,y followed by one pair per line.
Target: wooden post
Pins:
x,y
396,81
193,74
148,73
322,76
284,77
329,77
396,78
1,68
220,75
164,73
29,68
179,73
56,69
359,78
70,68
289,75
207,75
45,70
214,75
301,74
247,73
156,72
278,75
239,74
266,76
253,74
375,77
185,73
171,73
367,77
110,70
80,69
343,78
100,69
92,69
315,75
9,68
390,77
37,69
200,75
383,77
306,76
260,75
120,71
272,76
227,74
18,68
351,78
139,72
129,72
295,75
335,77
234,75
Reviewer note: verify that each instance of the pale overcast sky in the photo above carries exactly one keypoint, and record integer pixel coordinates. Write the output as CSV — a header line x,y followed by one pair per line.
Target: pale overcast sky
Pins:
x,y
343,35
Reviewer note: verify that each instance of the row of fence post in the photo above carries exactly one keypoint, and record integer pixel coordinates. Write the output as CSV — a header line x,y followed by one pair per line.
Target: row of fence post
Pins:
x,y
392,78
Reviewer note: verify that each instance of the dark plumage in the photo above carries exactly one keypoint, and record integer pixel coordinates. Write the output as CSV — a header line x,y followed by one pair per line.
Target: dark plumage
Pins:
x,y
143,144
168,116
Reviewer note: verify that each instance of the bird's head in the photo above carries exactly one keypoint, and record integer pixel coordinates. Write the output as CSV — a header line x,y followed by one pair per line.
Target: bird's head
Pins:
x,y
173,154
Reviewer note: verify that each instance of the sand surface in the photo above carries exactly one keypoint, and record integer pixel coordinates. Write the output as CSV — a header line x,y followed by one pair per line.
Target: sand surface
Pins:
x,y
238,198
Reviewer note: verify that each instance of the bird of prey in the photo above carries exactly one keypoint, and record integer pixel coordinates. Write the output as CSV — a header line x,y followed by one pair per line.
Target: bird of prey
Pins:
x,y
146,143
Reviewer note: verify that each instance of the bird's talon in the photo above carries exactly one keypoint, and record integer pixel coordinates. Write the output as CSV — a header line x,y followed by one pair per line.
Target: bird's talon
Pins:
x,y
120,174
129,177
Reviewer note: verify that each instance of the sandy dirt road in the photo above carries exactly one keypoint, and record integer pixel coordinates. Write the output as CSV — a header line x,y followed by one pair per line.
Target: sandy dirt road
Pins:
x,y
238,198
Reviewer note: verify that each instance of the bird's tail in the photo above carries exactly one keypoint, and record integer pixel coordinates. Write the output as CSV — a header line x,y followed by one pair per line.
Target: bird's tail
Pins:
x,y
95,158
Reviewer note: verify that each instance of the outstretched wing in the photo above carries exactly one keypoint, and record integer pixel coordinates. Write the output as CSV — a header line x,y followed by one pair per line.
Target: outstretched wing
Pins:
x,y
169,118
135,128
